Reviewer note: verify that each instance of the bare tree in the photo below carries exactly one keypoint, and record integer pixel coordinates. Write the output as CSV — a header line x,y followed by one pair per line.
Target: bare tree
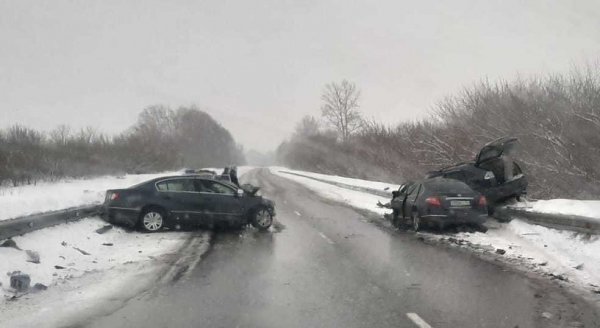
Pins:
x,y
340,107
308,126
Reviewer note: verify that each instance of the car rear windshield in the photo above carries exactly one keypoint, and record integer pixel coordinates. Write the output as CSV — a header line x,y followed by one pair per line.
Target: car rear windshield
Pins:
x,y
447,186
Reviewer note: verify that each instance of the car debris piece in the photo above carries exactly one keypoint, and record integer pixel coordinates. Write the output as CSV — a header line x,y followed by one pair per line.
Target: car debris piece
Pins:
x,y
59,267
500,251
579,267
19,281
10,243
81,251
33,256
104,229
64,243
107,244
39,286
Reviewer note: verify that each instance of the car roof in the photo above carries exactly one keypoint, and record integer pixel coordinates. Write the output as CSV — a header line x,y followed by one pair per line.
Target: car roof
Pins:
x,y
440,183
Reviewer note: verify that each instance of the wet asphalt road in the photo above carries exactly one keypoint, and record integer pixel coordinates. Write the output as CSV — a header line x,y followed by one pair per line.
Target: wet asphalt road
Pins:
x,y
325,265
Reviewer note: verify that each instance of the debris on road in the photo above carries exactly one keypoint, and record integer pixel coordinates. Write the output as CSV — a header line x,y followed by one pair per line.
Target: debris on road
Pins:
x,y
59,267
500,251
33,256
10,243
19,281
107,244
81,251
39,286
104,229
579,267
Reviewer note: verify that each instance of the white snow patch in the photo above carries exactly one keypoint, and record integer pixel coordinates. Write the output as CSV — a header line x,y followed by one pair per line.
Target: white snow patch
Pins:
x,y
383,186
588,208
56,246
351,197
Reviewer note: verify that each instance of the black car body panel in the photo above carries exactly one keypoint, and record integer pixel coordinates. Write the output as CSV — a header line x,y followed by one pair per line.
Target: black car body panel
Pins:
x,y
458,203
486,173
185,200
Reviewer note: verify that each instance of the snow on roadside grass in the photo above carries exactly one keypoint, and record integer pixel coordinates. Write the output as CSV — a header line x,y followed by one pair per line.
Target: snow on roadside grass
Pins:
x,y
544,250
334,178
57,247
51,196
588,208
351,197
572,255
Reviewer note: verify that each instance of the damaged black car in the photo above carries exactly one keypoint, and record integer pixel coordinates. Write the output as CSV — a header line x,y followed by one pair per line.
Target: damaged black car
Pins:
x,y
494,173
190,200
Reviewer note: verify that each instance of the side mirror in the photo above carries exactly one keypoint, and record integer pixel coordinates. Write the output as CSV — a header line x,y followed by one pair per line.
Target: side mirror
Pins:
x,y
240,193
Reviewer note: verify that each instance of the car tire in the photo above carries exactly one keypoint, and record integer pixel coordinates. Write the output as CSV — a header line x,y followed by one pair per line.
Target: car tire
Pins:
x,y
262,219
152,219
416,221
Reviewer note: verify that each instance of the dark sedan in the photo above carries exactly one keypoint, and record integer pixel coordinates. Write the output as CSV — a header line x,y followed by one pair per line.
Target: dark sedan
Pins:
x,y
439,202
177,201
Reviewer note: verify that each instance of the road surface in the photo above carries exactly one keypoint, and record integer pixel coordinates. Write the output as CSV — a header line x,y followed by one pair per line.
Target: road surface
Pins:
x,y
326,265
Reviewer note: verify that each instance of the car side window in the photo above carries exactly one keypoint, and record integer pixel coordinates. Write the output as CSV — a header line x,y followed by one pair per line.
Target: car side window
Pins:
x,y
214,187
176,185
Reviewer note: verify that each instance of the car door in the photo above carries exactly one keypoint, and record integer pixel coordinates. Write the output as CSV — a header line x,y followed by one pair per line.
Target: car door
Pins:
x,y
411,198
179,197
220,200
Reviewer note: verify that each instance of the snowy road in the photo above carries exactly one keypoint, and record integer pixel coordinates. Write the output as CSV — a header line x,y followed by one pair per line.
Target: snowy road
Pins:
x,y
326,265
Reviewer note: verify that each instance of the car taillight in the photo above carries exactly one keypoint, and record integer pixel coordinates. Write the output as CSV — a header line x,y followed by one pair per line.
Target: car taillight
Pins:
x,y
433,201
482,201
114,196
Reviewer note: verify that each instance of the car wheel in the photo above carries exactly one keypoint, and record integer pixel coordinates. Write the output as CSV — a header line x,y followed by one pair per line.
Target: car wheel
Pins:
x,y
262,219
152,220
416,221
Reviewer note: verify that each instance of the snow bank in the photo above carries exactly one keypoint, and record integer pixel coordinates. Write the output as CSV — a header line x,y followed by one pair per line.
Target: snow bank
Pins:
x,y
351,197
51,196
334,178
562,253
588,208
58,246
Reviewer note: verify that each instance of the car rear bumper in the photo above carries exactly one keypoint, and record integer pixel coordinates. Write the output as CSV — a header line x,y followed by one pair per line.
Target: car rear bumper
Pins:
x,y
456,218
127,216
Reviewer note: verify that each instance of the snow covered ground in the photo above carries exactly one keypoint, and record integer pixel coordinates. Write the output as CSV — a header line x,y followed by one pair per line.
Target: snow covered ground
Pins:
x,y
563,254
50,196
78,265
588,208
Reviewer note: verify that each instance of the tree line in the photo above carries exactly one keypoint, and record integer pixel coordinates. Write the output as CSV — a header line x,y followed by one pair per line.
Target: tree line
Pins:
x,y
556,118
161,139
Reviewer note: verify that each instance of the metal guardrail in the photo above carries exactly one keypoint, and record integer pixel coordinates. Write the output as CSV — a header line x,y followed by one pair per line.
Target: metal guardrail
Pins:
x,y
22,225
504,213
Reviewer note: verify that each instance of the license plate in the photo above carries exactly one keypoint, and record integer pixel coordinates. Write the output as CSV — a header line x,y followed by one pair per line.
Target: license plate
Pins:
x,y
460,203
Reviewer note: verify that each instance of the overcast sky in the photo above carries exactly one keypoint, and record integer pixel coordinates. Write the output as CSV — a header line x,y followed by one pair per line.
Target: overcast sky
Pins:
x,y
259,66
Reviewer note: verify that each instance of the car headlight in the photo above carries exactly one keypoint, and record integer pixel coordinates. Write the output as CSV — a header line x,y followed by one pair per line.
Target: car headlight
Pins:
x,y
489,175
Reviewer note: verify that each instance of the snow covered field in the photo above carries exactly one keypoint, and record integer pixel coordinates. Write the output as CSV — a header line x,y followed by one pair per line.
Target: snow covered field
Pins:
x,y
51,196
563,254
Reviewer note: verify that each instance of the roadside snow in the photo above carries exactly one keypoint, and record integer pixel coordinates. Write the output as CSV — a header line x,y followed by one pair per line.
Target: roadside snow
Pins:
x,y
563,254
567,254
57,246
587,208
383,186
351,197
51,196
